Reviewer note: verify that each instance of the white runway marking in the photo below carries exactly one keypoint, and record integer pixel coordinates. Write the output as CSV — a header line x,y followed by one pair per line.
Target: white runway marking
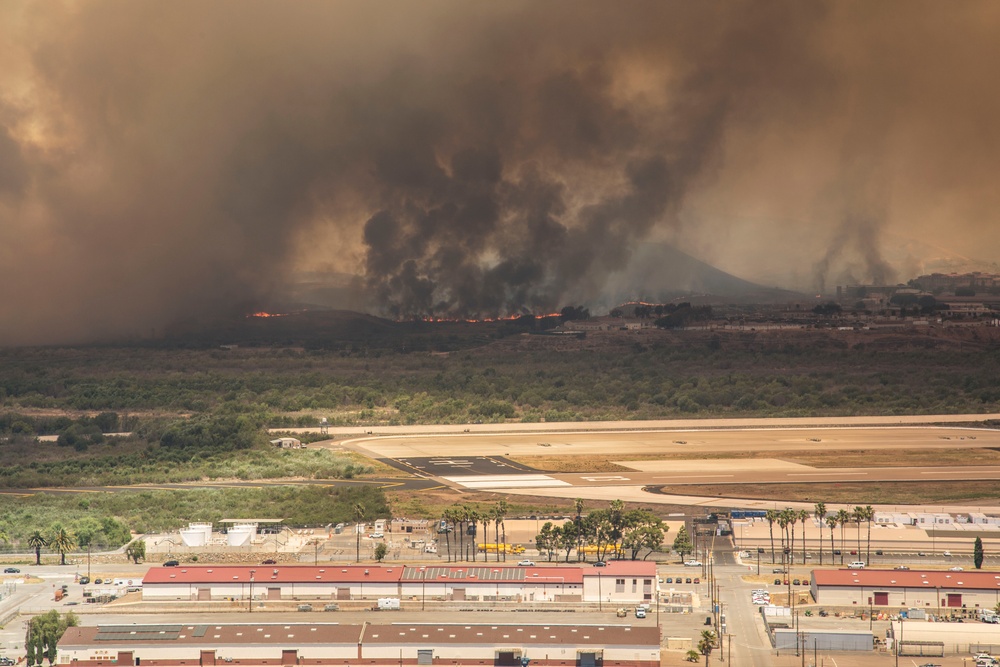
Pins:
x,y
689,476
507,481
819,474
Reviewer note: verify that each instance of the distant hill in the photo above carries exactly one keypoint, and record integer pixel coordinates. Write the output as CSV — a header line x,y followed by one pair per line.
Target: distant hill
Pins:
x,y
660,272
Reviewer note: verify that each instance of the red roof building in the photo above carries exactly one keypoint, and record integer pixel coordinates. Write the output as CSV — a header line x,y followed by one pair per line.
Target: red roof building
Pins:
x,y
906,588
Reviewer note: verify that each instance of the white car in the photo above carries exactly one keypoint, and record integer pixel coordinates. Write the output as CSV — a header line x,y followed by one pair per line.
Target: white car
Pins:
x,y
856,565
527,563
640,612
957,568
692,563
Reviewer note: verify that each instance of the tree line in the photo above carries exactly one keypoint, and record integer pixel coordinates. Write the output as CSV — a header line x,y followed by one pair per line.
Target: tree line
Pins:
x,y
611,532
787,519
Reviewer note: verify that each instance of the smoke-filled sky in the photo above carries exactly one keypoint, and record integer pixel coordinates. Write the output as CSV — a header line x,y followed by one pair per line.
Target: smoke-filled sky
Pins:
x,y
164,160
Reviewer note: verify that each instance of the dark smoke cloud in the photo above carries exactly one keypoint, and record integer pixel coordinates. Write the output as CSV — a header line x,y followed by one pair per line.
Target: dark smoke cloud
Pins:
x,y
161,161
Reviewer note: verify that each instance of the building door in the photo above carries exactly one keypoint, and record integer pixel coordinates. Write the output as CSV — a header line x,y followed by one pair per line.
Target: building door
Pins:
x,y
289,657
204,594
207,658
954,599
587,659
425,656
273,593
507,659
882,599
125,658
343,593
458,594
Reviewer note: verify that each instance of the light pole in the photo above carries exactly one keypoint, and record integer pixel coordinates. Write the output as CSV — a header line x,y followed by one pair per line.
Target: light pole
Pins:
x,y
423,587
250,601
599,593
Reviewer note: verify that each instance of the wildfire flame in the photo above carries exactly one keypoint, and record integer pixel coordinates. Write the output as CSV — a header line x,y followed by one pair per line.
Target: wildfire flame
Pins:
x,y
504,318
263,314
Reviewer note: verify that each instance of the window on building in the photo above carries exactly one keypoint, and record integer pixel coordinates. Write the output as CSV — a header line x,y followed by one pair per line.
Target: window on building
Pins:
x,y
619,585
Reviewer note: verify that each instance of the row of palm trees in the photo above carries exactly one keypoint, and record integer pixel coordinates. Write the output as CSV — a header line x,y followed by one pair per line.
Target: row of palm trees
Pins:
x,y
787,518
60,540
467,517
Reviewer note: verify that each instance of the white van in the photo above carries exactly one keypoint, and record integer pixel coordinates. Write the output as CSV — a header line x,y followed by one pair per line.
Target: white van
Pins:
x,y
857,565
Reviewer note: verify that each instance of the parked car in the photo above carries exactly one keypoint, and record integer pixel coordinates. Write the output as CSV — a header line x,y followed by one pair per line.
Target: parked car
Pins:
x,y
836,552
670,580
7,662
878,552
622,612
599,563
692,563
947,553
760,550
697,580
921,553
11,570
778,570
171,563
795,582
856,565
777,582
901,567
331,606
688,580
957,568
640,612
526,563
269,561
98,581
305,607
84,581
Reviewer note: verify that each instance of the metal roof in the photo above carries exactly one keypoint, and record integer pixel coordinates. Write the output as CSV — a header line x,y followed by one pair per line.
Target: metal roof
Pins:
x,y
929,579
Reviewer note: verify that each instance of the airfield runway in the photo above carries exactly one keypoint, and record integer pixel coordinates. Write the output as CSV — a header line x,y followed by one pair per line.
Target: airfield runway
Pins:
x,y
484,461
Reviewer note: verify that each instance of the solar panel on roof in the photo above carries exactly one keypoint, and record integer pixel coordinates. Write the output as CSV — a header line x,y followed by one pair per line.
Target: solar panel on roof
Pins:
x,y
199,631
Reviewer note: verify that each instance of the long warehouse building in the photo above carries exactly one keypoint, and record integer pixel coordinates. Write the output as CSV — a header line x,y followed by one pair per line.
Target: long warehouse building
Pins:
x,y
626,582
929,590
389,645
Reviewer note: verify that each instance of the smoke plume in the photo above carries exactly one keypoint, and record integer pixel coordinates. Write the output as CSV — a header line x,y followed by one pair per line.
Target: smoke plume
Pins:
x,y
161,161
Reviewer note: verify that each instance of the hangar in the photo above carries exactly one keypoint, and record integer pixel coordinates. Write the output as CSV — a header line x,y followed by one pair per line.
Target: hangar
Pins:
x,y
931,590
620,581
391,645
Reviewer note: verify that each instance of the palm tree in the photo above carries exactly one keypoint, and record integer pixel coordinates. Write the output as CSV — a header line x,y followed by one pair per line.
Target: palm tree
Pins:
x,y
869,515
706,644
820,515
831,521
502,509
771,516
858,515
578,503
359,515
793,518
62,541
843,518
36,541
803,517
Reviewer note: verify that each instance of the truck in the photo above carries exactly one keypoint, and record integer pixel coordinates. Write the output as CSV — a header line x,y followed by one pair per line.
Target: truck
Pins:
x,y
989,616
501,548
387,604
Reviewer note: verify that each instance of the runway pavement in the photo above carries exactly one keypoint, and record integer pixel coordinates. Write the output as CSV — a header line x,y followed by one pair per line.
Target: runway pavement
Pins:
x,y
484,461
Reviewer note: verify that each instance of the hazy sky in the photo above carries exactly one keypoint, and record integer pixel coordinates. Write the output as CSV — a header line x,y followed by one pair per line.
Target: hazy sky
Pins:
x,y
160,160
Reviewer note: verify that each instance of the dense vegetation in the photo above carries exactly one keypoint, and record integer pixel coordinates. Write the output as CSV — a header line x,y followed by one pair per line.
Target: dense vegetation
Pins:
x,y
653,374
103,520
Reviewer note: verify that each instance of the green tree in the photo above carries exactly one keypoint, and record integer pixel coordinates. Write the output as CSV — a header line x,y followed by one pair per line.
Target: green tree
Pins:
x,y
380,551
831,522
62,541
977,553
772,517
682,543
43,635
136,551
820,514
36,541
843,518
359,516
578,504
706,644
